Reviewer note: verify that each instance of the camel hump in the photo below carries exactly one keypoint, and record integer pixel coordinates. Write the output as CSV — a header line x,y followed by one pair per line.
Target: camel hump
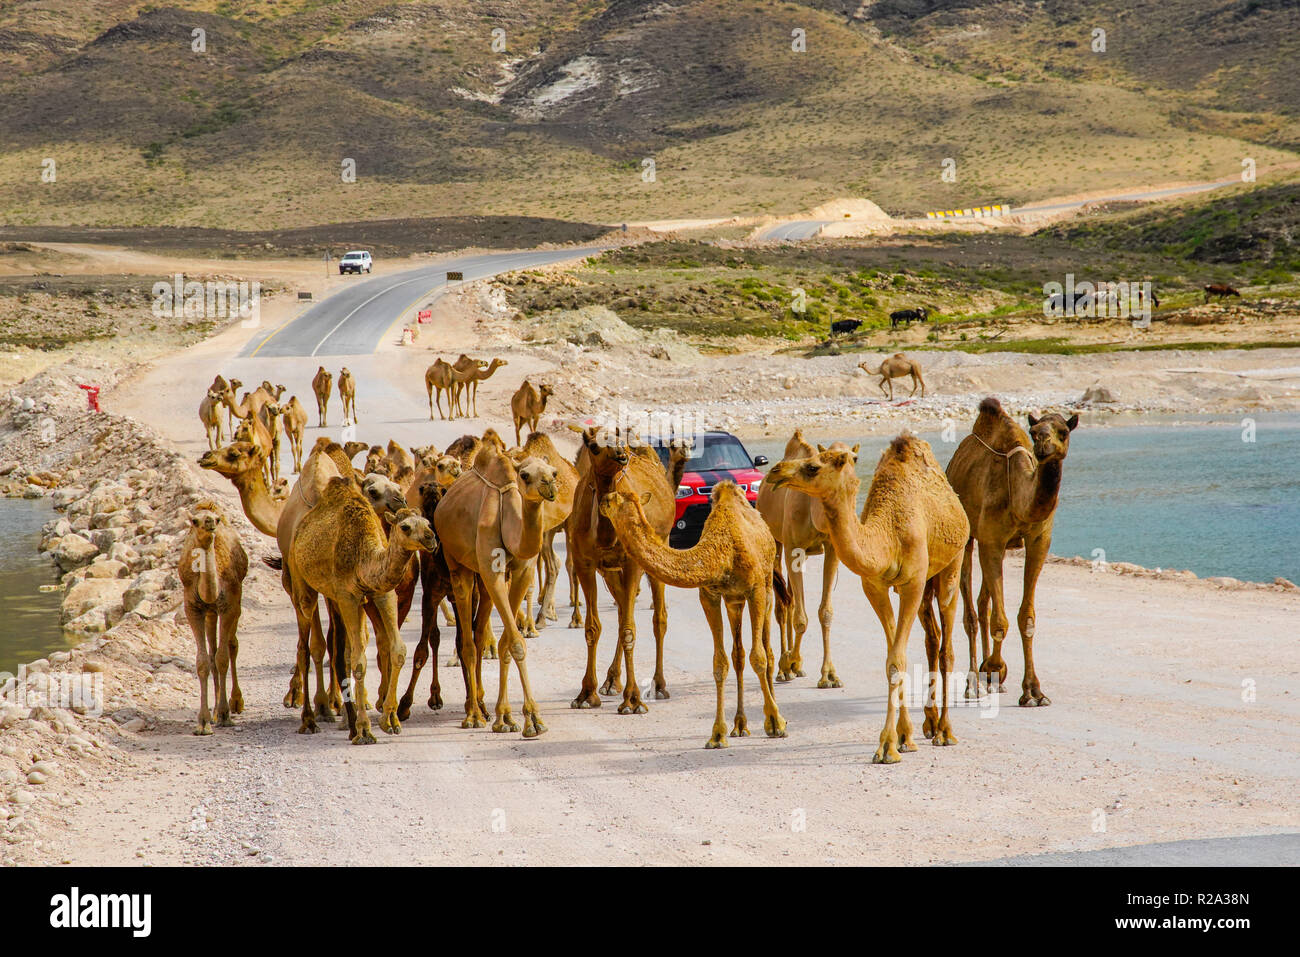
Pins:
x,y
989,405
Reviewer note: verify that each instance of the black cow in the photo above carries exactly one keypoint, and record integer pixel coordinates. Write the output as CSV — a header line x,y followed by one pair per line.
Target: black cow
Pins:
x,y
843,327
907,315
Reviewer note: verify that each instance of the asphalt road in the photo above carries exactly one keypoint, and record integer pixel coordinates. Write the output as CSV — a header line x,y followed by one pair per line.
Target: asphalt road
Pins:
x,y
803,229
352,322
1265,850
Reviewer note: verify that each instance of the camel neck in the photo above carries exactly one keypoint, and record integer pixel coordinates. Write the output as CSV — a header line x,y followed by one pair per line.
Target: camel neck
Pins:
x,y
255,498
1046,490
856,543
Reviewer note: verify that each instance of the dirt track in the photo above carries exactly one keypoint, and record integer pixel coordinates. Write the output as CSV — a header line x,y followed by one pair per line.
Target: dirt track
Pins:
x,y
1148,733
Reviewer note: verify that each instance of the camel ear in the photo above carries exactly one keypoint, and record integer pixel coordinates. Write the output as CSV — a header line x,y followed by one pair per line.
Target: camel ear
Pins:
x,y
645,498
856,446
1032,420
390,518
820,447
1072,422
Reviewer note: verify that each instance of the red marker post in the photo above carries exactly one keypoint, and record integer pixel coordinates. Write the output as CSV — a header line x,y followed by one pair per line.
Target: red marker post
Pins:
x,y
92,396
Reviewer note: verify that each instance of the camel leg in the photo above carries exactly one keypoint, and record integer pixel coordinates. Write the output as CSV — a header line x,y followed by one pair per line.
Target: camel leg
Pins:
x,y
219,651
712,605
969,620
735,617
202,665
790,620
917,376
930,626
659,624
350,640
551,565
417,665
513,647
896,734
575,620
236,696
524,615
798,619
429,390
946,590
1035,554
760,650
830,566
305,606
630,581
614,673
588,697
991,574
462,591
326,701
392,655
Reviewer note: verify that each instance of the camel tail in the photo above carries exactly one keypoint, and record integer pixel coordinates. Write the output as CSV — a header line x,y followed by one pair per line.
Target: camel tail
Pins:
x,y
274,561
781,588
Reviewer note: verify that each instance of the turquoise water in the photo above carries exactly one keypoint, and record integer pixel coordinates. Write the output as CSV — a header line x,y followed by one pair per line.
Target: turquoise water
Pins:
x,y
29,618
1189,496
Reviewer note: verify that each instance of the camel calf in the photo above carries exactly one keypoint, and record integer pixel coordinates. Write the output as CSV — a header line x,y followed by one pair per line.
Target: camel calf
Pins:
x,y
213,565
527,405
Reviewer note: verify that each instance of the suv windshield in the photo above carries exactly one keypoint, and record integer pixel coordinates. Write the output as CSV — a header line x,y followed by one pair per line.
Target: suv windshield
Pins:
x,y
719,452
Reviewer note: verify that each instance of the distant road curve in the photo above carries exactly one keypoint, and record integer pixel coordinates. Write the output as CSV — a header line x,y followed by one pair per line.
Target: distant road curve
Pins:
x,y
802,229
354,320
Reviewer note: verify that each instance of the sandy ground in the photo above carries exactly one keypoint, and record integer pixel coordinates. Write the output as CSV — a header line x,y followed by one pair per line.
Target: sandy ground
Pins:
x,y
1150,738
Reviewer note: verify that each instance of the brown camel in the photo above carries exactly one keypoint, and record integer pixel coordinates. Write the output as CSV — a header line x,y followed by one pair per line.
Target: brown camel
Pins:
x,y
213,565
798,523
321,384
527,405
398,458
590,539
490,525
910,539
210,416
896,367
465,371
348,393
482,372
1008,483
442,377
295,424
734,563
465,449
219,386
339,551
350,449
270,415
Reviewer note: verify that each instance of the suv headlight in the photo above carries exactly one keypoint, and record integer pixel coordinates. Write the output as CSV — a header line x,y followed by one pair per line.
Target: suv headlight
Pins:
x,y
754,485
685,491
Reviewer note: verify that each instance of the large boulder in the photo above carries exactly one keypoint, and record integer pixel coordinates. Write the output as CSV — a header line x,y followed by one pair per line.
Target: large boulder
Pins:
x,y
73,551
92,593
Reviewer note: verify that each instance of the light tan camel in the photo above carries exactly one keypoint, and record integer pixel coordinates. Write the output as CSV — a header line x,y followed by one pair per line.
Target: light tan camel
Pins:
x,y
398,458
270,415
212,568
210,416
348,393
910,539
295,424
798,523
321,384
734,563
443,377
339,552
466,450
490,525
350,449
896,367
482,372
1008,483
554,515
219,386
527,405
590,539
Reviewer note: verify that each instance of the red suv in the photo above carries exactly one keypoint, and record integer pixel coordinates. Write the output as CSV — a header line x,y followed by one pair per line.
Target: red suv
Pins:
x,y
718,457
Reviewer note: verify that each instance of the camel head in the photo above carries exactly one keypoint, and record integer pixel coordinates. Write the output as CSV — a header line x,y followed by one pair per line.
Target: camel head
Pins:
x,y
411,530
1051,435
821,475
273,410
537,480
382,493
234,384
619,507
545,391
446,470
280,491
244,430
839,447
491,437
204,521
350,449
234,460
496,364
608,455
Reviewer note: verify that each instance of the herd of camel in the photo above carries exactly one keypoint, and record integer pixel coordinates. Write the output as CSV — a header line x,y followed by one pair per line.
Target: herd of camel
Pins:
x,y
477,524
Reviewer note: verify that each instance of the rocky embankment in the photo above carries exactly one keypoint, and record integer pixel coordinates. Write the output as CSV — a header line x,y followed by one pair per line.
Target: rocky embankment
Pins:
x,y
118,501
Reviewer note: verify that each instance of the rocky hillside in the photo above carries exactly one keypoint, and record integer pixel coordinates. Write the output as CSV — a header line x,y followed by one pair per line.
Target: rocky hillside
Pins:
x,y
550,108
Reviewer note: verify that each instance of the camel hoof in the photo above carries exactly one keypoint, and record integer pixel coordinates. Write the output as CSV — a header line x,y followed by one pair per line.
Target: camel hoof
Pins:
x,y
830,680
740,731
503,724
612,686
204,728
907,746
589,700
490,652
943,739
1031,701
474,721
784,676
661,694
364,736
533,726
308,727
638,708
886,756
404,708
225,721
717,741
575,621
292,700
774,727
237,704
435,702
